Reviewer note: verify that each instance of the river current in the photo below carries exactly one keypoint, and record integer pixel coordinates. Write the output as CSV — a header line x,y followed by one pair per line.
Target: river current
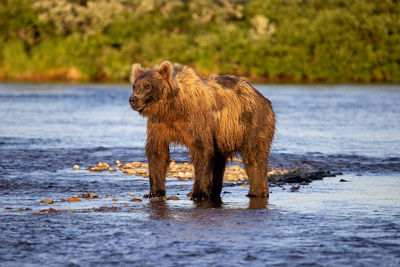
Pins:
x,y
46,129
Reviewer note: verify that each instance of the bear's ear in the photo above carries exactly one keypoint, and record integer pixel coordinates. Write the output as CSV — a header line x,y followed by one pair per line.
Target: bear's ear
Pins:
x,y
165,69
135,72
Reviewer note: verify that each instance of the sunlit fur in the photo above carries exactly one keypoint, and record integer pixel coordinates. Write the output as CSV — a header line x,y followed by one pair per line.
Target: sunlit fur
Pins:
x,y
215,117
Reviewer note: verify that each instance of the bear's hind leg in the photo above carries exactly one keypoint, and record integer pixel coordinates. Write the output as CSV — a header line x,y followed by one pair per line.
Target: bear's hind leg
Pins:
x,y
256,168
218,175
203,161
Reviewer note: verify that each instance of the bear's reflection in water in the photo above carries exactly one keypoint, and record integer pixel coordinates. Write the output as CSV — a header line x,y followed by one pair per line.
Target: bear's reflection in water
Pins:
x,y
200,210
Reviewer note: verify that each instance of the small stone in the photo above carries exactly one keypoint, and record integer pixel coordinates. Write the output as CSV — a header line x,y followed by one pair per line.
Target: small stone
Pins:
x,y
47,200
76,167
132,194
136,200
343,180
8,208
21,209
114,199
173,198
73,199
63,200
36,213
94,195
86,195
72,211
112,170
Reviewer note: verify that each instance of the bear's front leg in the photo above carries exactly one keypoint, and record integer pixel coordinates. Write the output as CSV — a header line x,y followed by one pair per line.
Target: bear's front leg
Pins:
x,y
158,158
203,162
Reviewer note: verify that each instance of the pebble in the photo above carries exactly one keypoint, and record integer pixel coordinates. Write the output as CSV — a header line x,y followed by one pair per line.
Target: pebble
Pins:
x,y
136,200
73,199
47,200
94,195
173,198
76,167
86,195
132,194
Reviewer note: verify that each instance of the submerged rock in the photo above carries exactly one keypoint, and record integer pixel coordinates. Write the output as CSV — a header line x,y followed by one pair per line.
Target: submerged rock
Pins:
x,y
47,200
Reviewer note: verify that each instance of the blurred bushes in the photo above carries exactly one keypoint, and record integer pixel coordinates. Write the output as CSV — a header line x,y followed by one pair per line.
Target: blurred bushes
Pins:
x,y
287,40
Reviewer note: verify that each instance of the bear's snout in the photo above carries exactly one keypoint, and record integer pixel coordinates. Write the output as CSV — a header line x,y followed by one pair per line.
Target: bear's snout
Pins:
x,y
135,102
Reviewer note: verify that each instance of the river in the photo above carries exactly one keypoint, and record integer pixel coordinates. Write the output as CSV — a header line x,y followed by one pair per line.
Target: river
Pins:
x,y
46,129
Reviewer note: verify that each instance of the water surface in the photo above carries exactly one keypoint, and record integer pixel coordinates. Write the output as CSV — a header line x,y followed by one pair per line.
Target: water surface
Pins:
x,y
45,129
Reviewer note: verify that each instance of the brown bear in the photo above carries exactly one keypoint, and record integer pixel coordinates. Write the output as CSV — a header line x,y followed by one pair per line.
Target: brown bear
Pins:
x,y
215,117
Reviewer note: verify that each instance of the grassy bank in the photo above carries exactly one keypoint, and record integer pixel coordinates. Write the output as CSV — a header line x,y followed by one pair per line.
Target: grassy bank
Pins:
x,y
274,41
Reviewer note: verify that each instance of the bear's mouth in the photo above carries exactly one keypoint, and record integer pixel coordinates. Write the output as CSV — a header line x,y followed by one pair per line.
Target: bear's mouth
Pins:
x,y
138,108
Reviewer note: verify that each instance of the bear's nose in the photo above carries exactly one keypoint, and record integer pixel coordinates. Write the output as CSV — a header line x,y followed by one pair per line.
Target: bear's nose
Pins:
x,y
133,99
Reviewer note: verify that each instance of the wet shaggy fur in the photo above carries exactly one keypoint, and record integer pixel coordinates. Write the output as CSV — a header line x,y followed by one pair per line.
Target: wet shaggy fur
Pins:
x,y
215,117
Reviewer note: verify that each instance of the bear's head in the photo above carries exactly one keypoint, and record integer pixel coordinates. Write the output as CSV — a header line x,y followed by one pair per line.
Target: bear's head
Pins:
x,y
149,87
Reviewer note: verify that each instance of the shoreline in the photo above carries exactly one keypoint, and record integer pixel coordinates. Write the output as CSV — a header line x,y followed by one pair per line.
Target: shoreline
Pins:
x,y
73,76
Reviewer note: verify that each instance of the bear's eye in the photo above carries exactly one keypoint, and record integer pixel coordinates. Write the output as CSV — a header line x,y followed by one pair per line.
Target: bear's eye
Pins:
x,y
146,86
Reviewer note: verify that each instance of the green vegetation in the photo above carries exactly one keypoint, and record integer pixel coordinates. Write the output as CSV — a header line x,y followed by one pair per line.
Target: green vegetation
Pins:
x,y
265,40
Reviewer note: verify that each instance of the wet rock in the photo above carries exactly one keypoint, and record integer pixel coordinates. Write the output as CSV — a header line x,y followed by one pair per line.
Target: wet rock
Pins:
x,y
63,200
104,208
173,198
73,199
47,200
114,199
294,188
136,200
86,195
112,170
343,181
8,208
94,195
76,167
101,166
132,194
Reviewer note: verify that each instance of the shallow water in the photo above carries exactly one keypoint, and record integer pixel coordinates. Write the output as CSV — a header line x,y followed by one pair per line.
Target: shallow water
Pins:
x,y
45,129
